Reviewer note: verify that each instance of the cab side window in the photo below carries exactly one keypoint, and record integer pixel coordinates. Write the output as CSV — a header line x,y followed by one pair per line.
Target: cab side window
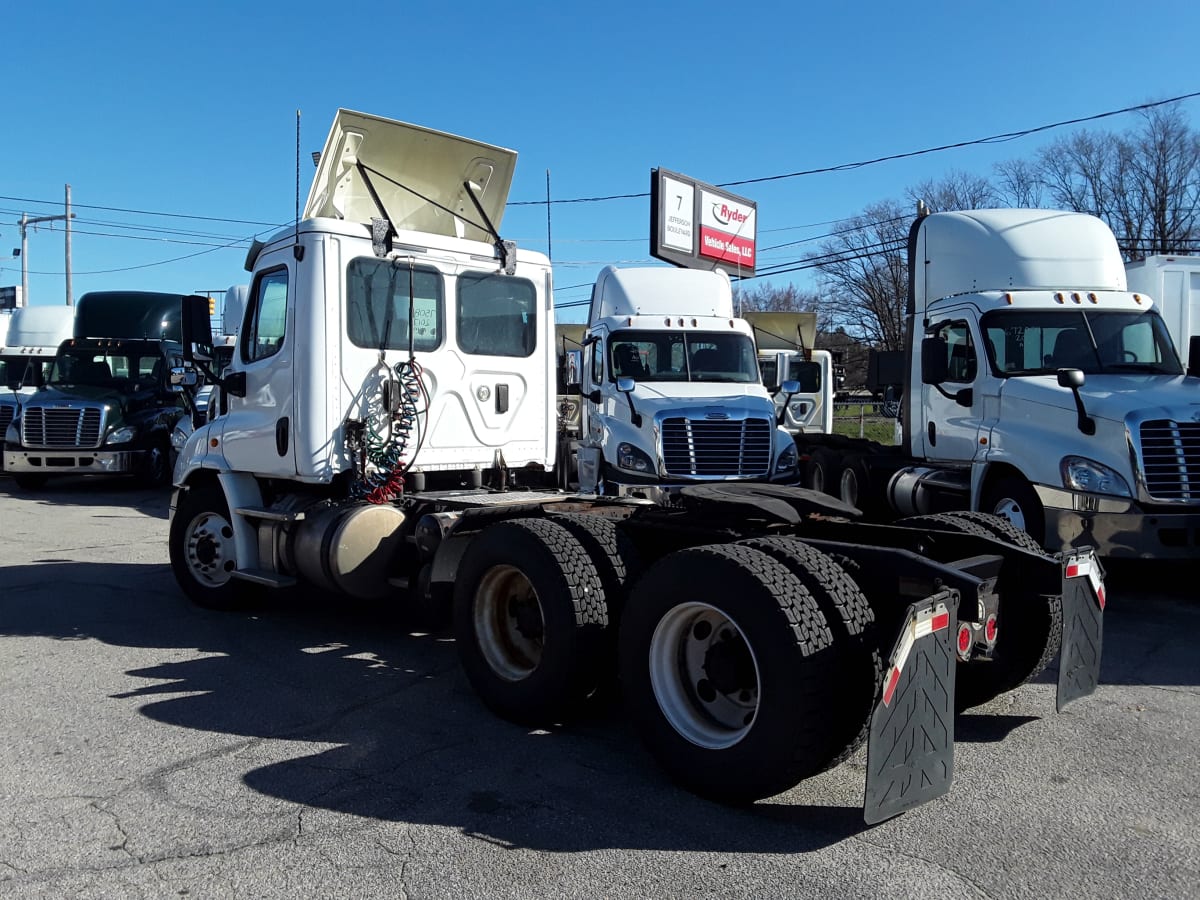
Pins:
x,y
960,351
597,365
267,317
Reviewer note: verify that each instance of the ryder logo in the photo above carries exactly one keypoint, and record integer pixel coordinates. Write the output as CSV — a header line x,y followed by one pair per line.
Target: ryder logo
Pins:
x,y
728,215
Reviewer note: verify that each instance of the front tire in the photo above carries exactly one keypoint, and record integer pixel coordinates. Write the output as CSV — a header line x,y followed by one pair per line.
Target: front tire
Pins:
x,y
726,668
202,550
1014,499
529,619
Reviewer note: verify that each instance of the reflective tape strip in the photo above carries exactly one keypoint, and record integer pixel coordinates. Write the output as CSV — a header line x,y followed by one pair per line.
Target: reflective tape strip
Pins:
x,y
926,622
1085,567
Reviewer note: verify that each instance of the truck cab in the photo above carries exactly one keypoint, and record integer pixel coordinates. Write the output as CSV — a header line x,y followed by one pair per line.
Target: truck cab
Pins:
x,y
106,407
672,392
31,340
1057,392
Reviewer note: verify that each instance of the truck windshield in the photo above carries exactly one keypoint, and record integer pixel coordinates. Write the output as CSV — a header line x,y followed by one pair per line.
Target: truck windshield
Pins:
x,y
22,371
1024,342
683,356
120,368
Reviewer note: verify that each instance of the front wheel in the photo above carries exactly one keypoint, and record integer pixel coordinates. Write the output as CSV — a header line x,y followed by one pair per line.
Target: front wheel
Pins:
x,y
202,550
156,466
726,667
1013,498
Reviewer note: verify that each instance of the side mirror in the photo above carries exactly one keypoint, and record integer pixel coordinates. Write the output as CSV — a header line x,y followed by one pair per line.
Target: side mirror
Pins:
x,y
1070,378
196,328
182,378
574,365
935,366
625,384
1193,368
790,387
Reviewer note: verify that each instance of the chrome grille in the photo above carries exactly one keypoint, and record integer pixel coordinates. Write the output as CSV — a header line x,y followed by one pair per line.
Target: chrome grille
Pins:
x,y
717,448
1171,459
6,417
77,428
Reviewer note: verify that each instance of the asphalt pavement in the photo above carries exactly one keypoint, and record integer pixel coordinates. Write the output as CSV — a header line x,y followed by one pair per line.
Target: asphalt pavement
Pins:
x,y
318,747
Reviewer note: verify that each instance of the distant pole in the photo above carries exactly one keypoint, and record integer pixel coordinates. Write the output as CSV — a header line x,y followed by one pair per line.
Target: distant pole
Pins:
x,y
549,246
24,226
68,224
24,260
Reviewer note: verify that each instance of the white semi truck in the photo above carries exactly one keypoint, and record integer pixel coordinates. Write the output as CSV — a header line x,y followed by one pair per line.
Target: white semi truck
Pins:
x,y
391,431
1038,388
785,353
30,343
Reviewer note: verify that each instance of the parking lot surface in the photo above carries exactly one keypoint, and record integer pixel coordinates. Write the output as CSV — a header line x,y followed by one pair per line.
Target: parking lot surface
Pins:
x,y
316,747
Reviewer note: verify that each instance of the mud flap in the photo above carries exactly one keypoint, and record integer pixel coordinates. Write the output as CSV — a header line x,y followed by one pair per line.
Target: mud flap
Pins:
x,y
1083,626
910,747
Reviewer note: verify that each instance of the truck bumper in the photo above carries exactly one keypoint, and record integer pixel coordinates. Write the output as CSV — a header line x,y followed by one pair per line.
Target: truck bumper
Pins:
x,y
1118,528
71,462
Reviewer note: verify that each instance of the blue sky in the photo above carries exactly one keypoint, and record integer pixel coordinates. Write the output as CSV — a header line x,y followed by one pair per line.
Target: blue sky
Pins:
x,y
190,111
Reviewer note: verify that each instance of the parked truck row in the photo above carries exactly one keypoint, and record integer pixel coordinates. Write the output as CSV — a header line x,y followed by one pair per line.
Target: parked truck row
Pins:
x,y
402,421
96,398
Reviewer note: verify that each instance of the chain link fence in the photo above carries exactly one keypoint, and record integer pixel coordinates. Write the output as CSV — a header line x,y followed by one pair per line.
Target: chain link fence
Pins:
x,y
874,420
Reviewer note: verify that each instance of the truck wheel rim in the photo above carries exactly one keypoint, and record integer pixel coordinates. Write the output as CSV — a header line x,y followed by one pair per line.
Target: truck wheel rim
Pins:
x,y
1011,510
210,549
704,675
850,487
509,626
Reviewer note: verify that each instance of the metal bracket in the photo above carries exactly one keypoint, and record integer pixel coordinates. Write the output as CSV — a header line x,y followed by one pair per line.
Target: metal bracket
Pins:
x,y
381,237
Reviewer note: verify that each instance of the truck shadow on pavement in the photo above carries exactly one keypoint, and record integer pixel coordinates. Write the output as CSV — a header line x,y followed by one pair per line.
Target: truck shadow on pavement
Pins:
x,y
403,738
88,492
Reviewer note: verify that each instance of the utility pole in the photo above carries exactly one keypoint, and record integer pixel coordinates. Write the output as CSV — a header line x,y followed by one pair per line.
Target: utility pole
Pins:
x,y
23,225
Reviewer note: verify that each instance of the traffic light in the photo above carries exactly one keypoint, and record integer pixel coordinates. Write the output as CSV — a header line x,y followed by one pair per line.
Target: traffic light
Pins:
x,y
212,306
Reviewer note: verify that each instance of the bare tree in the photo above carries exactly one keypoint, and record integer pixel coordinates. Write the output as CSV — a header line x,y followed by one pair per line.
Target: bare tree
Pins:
x,y
958,190
1144,183
782,298
1018,183
864,270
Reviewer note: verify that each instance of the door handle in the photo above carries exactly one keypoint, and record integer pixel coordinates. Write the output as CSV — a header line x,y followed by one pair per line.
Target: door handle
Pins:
x,y
281,436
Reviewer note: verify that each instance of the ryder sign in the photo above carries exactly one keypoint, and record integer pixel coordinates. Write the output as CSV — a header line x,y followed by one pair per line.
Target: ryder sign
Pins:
x,y
698,226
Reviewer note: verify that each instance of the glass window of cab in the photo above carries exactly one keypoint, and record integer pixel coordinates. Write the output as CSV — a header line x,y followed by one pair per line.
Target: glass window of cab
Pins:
x,y
378,312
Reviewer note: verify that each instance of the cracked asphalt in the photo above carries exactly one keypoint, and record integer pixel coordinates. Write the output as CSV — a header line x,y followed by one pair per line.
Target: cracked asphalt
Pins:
x,y
321,748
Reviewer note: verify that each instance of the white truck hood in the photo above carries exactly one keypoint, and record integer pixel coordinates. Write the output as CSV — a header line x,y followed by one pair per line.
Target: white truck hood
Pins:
x,y
652,397
1111,397
417,174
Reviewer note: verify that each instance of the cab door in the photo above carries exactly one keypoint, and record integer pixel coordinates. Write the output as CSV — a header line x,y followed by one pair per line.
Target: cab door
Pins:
x,y
952,410
258,429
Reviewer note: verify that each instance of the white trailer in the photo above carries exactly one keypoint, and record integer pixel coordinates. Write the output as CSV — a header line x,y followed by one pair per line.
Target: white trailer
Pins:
x,y
30,342
392,433
1173,282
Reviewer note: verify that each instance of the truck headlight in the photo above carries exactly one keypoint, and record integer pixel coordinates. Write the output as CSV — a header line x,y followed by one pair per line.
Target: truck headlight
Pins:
x,y
122,435
632,459
788,460
1082,474
179,437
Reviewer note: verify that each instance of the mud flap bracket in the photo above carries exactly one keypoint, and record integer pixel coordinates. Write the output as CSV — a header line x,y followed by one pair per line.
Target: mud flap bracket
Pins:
x,y
910,746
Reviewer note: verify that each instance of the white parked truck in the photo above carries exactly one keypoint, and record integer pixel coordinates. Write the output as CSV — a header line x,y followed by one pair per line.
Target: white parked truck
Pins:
x,y
31,340
1037,387
785,353
392,432
671,389
1173,282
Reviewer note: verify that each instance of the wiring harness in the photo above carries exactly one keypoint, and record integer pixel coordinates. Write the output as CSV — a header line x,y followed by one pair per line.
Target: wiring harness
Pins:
x,y
389,442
